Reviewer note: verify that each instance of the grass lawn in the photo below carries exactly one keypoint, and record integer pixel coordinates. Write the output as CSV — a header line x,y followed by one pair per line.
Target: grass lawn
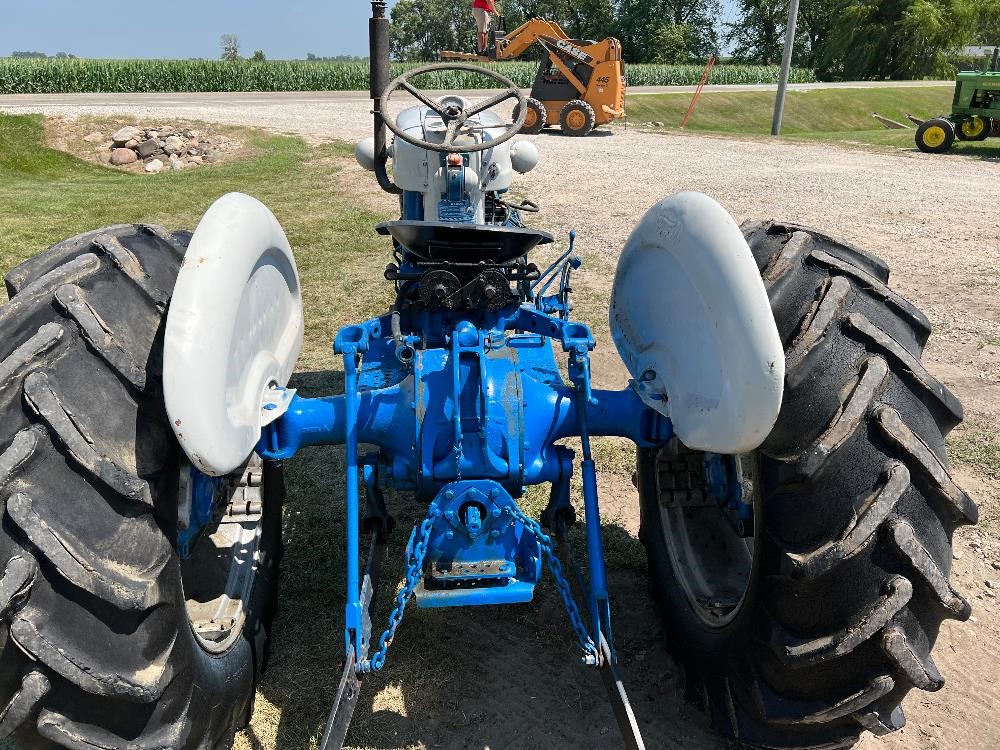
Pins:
x,y
835,115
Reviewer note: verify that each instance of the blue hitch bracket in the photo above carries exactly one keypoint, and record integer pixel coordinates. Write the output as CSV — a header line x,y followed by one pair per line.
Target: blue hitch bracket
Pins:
x,y
478,552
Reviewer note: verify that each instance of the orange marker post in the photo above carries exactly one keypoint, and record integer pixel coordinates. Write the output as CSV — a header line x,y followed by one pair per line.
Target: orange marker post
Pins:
x,y
701,84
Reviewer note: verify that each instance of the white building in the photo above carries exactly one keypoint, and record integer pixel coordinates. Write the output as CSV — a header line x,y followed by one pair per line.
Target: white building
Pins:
x,y
980,51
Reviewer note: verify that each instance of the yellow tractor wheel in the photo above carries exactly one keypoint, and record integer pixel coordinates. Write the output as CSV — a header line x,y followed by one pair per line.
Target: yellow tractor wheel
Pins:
x,y
935,136
974,129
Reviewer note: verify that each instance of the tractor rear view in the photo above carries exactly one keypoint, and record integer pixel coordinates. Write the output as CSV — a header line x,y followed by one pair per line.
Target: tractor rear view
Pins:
x,y
795,500
975,111
580,84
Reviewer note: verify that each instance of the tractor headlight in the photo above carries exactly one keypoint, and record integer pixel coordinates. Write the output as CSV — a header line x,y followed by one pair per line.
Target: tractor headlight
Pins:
x,y
364,152
523,156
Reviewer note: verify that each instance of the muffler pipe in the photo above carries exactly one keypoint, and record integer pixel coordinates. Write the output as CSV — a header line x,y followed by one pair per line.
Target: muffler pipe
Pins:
x,y
378,57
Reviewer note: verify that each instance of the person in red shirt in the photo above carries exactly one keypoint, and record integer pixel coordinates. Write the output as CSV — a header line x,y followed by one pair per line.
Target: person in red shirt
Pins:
x,y
484,10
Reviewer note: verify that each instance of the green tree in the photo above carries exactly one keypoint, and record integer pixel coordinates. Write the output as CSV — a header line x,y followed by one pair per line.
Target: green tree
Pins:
x,y
258,56
422,28
816,22
988,23
230,44
671,42
645,26
884,39
650,30
580,19
758,36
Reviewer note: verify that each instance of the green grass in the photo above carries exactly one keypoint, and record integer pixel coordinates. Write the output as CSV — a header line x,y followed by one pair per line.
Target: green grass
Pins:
x,y
989,340
974,444
21,76
836,115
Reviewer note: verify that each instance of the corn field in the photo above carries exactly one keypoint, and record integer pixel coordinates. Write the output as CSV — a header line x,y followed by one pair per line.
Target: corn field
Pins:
x,y
26,76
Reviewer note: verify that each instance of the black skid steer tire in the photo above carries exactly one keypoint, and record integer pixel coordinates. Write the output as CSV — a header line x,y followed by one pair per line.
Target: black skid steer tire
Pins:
x,y
97,647
535,116
855,511
577,119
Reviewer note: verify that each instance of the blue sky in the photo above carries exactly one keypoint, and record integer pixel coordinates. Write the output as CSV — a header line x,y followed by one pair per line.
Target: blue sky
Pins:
x,y
99,28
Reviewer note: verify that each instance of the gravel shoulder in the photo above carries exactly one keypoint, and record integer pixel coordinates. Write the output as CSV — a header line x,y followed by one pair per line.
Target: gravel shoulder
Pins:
x,y
934,219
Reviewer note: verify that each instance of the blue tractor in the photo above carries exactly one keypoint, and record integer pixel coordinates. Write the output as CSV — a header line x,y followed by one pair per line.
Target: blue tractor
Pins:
x,y
795,500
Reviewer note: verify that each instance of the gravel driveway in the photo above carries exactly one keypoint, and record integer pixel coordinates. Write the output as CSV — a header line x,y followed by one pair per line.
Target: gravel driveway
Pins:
x,y
935,219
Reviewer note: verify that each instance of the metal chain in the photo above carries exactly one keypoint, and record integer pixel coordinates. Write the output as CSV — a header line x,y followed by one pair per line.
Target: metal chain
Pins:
x,y
414,571
548,549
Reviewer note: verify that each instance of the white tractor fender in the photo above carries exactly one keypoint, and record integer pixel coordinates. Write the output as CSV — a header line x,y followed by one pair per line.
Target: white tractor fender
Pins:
x,y
691,319
234,332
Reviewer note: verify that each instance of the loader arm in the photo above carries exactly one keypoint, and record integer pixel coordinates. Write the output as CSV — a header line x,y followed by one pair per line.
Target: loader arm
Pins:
x,y
520,40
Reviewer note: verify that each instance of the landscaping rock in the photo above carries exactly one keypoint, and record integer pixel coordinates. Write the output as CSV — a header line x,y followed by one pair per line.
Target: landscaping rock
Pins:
x,y
184,146
148,148
126,134
173,145
122,156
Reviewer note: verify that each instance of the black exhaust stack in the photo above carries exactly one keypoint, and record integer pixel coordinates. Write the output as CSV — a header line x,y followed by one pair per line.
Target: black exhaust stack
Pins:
x,y
378,57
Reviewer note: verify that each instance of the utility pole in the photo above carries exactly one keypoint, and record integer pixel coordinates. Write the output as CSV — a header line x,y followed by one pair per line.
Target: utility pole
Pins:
x,y
786,64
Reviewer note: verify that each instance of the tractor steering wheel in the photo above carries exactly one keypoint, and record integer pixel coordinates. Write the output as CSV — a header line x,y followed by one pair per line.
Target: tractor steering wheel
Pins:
x,y
454,115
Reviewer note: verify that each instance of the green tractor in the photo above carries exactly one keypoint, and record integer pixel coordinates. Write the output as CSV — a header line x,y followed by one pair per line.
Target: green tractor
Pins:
x,y
975,111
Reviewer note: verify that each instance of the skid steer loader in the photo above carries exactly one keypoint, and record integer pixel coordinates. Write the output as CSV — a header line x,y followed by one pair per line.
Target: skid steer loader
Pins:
x,y
580,84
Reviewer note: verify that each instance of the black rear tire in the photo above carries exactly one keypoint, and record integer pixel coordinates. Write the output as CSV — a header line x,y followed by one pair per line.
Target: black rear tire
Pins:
x,y
854,510
98,648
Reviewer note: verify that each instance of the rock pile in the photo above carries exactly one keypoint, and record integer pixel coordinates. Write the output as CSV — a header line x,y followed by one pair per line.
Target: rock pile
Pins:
x,y
159,148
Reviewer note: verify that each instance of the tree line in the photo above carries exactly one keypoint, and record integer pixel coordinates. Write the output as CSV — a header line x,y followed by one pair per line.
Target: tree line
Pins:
x,y
840,39
42,56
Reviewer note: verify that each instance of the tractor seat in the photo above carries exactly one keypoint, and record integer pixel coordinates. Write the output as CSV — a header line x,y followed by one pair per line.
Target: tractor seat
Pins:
x,y
463,243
